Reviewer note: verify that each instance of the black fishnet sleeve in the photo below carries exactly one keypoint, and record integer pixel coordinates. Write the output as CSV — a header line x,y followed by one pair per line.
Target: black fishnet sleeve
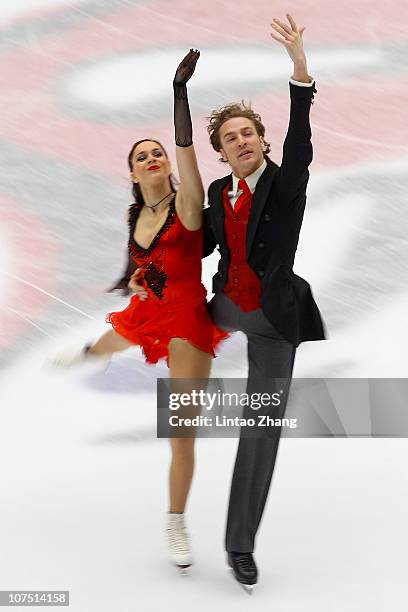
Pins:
x,y
183,128
122,284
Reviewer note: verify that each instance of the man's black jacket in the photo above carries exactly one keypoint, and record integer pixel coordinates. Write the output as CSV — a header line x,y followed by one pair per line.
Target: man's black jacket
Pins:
x,y
273,230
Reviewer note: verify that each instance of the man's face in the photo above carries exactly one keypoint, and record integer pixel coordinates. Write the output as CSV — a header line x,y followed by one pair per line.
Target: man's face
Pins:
x,y
241,146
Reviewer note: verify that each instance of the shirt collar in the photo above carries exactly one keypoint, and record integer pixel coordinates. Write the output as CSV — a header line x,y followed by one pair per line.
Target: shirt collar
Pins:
x,y
251,180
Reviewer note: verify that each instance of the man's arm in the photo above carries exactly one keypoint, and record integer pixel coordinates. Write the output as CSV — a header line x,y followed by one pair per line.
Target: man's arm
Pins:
x,y
297,148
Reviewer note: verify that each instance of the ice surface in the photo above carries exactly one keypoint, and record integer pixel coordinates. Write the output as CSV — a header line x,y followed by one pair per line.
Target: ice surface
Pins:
x,y
107,83
19,8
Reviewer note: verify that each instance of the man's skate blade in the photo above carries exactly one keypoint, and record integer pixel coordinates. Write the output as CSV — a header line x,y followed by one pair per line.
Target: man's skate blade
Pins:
x,y
248,588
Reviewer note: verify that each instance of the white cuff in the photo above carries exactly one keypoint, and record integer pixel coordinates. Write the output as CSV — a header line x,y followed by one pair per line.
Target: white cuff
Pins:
x,y
302,84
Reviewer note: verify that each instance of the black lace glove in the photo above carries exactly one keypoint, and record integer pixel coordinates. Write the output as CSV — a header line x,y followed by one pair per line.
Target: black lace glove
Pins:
x,y
122,284
183,128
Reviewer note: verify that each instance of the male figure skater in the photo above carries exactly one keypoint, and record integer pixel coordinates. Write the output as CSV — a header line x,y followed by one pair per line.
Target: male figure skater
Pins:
x,y
254,216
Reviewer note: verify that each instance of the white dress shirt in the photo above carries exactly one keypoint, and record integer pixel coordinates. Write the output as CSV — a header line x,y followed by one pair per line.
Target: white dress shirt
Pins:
x,y
301,84
250,180
253,178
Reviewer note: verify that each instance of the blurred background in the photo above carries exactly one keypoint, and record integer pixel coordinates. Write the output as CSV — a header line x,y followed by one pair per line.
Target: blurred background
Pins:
x,y
80,81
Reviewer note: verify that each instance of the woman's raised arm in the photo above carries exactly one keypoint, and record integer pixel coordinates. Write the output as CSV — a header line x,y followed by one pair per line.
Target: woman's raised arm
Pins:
x,y
190,197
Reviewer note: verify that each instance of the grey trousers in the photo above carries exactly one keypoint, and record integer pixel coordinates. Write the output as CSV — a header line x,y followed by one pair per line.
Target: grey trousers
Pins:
x,y
270,361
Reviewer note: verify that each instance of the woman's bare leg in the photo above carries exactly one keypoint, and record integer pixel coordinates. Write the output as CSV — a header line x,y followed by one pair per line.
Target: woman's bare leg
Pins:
x,y
186,362
109,343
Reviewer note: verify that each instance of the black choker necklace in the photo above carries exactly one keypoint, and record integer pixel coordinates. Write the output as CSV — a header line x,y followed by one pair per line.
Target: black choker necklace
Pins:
x,y
154,205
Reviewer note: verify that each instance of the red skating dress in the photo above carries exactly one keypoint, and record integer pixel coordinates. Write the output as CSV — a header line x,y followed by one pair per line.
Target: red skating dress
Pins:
x,y
176,305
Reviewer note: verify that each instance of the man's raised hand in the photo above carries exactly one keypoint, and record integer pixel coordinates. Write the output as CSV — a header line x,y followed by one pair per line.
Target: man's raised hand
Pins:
x,y
290,37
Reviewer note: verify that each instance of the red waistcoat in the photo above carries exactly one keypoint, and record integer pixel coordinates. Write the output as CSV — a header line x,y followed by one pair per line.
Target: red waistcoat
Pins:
x,y
243,286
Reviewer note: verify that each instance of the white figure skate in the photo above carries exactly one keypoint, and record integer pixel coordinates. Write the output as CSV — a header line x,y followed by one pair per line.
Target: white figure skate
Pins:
x,y
178,542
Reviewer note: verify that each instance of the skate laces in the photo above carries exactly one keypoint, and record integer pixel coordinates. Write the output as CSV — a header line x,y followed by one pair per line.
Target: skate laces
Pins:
x,y
177,534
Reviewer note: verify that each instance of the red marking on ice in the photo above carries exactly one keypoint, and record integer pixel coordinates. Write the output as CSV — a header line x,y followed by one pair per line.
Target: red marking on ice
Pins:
x,y
30,255
327,22
33,115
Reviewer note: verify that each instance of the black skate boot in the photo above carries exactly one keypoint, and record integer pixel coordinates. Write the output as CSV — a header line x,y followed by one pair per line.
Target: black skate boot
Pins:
x,y
244,569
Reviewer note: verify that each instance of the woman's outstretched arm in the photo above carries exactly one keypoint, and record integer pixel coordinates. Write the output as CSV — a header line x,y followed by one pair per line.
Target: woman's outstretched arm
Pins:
x,y
122,284
190,197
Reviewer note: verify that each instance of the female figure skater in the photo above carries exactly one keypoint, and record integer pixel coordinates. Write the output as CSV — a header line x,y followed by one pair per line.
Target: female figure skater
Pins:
x,y
169,319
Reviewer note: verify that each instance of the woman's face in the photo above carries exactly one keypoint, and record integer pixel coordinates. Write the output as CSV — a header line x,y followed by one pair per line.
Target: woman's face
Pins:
x,y
150,164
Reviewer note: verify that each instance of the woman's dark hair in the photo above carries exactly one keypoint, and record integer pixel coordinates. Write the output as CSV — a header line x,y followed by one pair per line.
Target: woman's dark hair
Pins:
x,y
136,191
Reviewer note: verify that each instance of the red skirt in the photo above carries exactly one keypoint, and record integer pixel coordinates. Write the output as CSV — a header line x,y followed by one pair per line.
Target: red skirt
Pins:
x,y
152,325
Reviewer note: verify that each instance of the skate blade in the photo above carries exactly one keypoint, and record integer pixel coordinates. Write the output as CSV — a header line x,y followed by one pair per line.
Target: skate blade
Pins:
x,y
183,570
248,588
58,363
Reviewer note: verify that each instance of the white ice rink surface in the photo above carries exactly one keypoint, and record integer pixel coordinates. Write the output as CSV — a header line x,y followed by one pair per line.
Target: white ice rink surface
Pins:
x,y
84,483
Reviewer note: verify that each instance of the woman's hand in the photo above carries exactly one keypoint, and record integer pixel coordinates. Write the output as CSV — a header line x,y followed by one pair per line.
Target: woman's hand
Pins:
x,y
186,68
136,286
